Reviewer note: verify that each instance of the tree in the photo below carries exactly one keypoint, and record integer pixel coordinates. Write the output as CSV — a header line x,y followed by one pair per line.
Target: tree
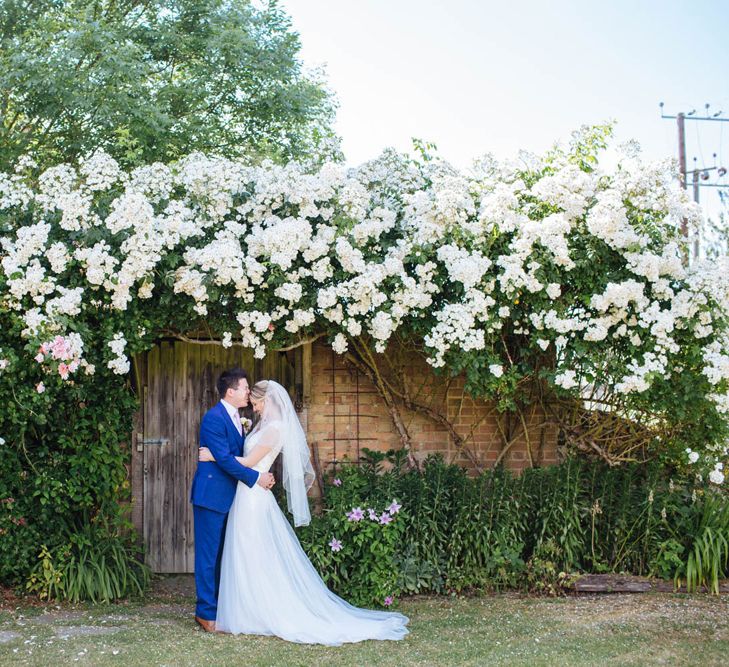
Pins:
x,y
155,79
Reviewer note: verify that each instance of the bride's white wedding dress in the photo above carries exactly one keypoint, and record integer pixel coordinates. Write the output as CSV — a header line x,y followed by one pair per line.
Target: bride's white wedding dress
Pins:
x,y
268,586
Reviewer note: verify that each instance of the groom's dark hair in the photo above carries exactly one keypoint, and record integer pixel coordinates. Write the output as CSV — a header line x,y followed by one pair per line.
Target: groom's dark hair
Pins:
x,y
229,380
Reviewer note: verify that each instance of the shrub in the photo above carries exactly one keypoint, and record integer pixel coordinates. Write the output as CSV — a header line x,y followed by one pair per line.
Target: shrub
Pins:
x,y
354,547
494,531
706,544
96,563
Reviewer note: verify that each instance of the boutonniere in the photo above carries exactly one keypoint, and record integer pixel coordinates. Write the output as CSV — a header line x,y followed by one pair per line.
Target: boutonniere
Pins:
x,y
247,423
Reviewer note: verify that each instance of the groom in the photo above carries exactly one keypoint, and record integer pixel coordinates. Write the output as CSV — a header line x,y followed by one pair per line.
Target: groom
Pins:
x,y
213,488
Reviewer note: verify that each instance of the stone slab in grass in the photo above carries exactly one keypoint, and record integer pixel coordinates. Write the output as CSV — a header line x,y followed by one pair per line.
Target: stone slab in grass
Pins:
x,y
611,583
7,636
617,583
55,616
86,630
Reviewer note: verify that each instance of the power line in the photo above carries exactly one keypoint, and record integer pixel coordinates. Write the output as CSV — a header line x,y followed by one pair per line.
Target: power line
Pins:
x,y
699,173
681,119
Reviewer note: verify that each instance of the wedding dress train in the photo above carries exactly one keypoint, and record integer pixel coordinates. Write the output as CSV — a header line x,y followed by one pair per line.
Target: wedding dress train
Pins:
x,y
268,586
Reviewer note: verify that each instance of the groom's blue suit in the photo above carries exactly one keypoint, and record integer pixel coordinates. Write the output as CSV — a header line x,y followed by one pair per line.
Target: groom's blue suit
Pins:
x,y
213,490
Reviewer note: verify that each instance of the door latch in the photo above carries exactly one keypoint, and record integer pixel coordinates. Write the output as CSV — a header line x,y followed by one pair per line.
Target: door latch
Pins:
x,y
155,441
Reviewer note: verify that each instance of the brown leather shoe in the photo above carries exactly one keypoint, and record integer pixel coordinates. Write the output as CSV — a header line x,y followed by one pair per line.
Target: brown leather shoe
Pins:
x,y
208,626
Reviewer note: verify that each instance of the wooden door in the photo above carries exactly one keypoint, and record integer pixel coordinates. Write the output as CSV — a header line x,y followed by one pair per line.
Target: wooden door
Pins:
x,y
178,388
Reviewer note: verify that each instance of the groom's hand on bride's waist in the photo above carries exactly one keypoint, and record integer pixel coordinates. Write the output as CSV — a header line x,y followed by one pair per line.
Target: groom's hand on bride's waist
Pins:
x,y
266,480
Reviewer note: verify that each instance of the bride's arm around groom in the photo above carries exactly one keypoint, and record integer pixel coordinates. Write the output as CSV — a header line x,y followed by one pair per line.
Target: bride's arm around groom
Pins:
x,y
213,436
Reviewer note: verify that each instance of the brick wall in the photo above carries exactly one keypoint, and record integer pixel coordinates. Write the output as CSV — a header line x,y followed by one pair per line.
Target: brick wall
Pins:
x,y
345,414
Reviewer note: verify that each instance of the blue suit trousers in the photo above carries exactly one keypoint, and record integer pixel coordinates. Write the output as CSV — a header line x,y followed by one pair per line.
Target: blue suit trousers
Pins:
x,y
209,538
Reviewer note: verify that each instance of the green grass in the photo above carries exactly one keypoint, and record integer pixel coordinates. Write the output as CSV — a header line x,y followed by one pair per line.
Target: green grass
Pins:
x,y
507,629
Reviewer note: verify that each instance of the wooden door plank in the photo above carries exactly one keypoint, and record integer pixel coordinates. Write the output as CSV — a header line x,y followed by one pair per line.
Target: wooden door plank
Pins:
x,y
306,373
181,466
137,469
169,528
194,416
151,430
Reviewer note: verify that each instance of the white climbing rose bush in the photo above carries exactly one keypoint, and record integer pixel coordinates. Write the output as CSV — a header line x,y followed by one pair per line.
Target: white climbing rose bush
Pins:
x,y
545,268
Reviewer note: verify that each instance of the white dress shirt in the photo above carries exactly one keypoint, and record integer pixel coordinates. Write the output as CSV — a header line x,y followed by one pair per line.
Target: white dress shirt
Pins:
x,y
232,412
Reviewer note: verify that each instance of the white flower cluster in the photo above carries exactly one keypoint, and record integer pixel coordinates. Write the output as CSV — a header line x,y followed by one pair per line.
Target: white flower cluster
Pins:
x,y
460,325
716,358
716,476
716,370
120,363
463,266
100,171
563,258
693,456
566,379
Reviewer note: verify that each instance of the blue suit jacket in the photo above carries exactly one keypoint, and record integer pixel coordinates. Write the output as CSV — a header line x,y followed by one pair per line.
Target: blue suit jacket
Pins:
x,y
214,483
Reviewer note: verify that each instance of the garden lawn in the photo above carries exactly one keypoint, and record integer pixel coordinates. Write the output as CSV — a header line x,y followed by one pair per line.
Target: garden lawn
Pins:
x,y
505,629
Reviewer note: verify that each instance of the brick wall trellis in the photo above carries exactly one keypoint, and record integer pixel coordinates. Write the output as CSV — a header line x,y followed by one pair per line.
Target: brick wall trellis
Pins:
x,y
344,413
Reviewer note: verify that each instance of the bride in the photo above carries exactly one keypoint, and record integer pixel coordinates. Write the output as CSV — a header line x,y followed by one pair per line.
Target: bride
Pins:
x,y
268,586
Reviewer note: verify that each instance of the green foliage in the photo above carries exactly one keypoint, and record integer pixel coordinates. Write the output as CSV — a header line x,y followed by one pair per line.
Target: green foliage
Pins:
x,y
97,563
63,459
499,531
364,570
707,560
154,80
46,578
543,574
559,513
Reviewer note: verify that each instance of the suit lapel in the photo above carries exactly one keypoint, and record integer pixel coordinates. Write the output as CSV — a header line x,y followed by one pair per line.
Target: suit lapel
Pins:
x,y
240,438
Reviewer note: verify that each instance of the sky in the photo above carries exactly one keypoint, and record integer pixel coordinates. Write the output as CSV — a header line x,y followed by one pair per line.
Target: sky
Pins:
x,y
481,76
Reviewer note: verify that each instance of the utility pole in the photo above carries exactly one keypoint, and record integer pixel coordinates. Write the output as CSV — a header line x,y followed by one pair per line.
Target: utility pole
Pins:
x,y
683,222
681,122
699,173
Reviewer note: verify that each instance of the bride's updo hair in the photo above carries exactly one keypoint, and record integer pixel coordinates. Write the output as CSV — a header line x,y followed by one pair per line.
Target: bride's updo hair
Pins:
x,y
258,393
258,390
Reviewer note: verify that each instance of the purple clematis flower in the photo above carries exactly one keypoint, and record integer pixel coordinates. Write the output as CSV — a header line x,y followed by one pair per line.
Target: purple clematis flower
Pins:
x,y
337,481
372,514
385,518
356,514
394,507
389,600
335,544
